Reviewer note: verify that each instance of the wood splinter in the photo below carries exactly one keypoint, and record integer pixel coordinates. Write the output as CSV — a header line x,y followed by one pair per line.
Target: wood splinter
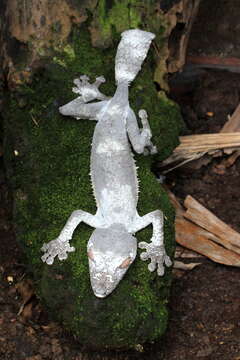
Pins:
x,y
200,230
222,233
193,147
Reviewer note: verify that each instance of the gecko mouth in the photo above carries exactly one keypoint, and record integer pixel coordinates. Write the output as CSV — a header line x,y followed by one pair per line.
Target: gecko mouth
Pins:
x,y
101,296
103,284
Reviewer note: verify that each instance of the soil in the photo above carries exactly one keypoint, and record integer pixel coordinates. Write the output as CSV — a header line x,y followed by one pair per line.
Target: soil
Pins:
x,y
205,302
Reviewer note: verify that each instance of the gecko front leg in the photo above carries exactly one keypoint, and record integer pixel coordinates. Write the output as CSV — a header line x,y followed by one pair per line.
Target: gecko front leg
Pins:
x,y
146,128
80,108
89,91
140,138
61,246
155,250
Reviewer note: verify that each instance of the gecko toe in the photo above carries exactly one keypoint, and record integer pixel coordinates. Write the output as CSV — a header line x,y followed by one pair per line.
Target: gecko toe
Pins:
x,y
144,256
160,270
152,266
50,260
44,257
167,261
44,247
143,245
62,256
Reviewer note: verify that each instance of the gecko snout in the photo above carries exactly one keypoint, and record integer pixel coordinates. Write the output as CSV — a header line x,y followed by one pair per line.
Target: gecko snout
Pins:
x,y
110,253
102,285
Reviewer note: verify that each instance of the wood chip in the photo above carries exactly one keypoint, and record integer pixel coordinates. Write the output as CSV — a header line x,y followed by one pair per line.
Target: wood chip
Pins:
x,y
184,253
193,147
231,160
201,216
206,142
233,123
227,163
196,238
193,237
182,266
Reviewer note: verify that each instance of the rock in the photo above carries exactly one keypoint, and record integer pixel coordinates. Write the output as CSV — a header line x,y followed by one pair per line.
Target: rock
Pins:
x,y
52,170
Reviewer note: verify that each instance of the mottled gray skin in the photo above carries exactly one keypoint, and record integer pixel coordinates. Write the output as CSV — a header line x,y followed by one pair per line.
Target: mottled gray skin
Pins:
x,y
112,246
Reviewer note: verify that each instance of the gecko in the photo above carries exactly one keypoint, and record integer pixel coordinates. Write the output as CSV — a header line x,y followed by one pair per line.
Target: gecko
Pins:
x,y
112,247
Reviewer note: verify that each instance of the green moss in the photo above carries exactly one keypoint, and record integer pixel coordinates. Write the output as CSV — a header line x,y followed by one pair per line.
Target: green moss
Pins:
x,y
113,17
50,178
119,16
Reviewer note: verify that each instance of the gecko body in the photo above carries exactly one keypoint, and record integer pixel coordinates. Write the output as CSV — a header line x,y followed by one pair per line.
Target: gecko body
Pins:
x,y
112,246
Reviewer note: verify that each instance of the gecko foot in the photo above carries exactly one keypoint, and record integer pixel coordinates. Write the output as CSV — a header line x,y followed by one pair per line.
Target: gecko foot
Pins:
x,y
158,257
55,248
150,148
89,91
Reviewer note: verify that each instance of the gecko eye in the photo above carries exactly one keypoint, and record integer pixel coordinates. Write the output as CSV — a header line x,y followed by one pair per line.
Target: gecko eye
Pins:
x,y
90,255
126,263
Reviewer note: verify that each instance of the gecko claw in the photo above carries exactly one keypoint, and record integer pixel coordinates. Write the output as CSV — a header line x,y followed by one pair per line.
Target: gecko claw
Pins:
x,y
143,115
89,91
152,265
48,259
144,256
160,270
146,131
157,255
100,80
143,245
55,248
84,78
168,261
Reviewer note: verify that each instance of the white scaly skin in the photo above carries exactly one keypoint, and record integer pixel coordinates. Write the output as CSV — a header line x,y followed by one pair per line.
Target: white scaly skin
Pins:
x,y
112,246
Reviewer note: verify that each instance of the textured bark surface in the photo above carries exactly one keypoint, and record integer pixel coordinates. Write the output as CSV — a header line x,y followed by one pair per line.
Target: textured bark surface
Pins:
x,y
35,29
44,47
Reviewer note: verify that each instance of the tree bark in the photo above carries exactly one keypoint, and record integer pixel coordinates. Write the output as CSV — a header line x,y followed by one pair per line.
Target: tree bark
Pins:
x,y
33,30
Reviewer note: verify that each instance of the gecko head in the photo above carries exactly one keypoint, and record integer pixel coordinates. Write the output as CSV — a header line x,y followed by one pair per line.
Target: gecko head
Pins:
x,y
131,53
110,252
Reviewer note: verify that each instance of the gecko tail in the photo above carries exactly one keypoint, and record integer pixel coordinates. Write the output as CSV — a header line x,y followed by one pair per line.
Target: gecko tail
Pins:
x,y
132,50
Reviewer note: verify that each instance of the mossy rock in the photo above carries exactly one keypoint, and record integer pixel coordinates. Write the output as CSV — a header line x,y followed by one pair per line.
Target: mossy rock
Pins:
x,y
47,157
